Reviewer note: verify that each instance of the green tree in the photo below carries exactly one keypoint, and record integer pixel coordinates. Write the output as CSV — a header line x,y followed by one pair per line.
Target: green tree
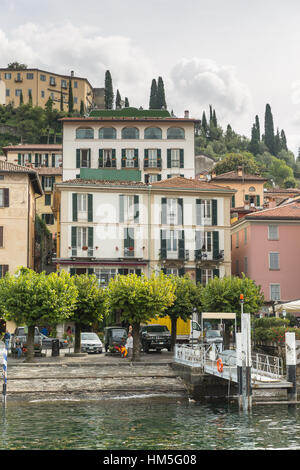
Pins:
x,y
137,299
118,100
269,130
16,66
153,95
283,140
126,102
30,98
108,91
204,125
187,298
29,298
161,99
257,125
61,101
90,305
254,143
70,100
234,160
81,108
21,98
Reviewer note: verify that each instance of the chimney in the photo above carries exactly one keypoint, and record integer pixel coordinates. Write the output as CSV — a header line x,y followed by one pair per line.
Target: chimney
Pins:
x,y
240,171
186,114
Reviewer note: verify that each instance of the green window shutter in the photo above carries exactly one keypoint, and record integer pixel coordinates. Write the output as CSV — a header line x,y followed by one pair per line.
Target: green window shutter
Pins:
x,y
181,158
131,237
113,159
168,158
19,159
181,250
100,161
121,208
74,207
163,210
258,200
233,201
169,176
215,245
198,211
198,275
158,177
121,271
29,157
77,158
138,272
47,199
128,238
158,158
53,160
72,271
180,211
216,273
181,272
36,160
74,240
246,197
214,212
146,163
163,244
46,159
90,237
123,158
52,182
90,271
43,182
136,158
90,208
136,209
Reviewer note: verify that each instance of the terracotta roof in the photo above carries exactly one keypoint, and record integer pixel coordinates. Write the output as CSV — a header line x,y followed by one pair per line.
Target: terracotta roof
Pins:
x,y
81,181
286,211
132,119
233,175
33,175
178,182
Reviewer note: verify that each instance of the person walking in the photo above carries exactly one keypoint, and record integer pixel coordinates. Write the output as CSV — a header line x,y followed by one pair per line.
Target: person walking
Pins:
x,y
129,345
6,339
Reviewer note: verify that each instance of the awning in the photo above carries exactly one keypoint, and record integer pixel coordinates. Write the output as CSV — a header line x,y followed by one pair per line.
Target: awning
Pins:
x,y
293,306
218,316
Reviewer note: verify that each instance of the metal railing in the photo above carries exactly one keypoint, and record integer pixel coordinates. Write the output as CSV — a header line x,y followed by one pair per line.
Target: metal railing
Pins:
x,y
269,366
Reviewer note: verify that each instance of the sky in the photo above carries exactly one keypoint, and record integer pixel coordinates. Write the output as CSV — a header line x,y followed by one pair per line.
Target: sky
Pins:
x,y
236,55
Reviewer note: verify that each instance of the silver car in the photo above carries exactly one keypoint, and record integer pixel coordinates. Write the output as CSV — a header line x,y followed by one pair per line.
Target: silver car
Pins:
x,y
91,343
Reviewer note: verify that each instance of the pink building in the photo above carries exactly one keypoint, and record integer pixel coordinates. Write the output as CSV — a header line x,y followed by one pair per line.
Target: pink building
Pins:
x,y
266,247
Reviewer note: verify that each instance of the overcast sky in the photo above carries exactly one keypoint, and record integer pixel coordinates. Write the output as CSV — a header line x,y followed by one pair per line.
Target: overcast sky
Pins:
x,y
237,55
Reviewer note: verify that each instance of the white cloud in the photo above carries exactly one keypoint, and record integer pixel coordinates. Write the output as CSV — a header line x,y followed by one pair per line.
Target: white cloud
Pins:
x,y
62,48
200,82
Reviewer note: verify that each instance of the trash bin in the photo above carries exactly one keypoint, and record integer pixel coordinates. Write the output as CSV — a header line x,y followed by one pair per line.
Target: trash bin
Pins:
x,y
55,347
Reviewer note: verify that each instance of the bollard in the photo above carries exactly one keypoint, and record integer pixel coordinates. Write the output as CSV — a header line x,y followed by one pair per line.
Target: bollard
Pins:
x,y
290,351
247,361
239,369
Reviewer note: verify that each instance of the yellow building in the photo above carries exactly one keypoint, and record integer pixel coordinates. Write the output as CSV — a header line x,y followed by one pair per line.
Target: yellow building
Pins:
x,y
46,159
42,85
19,187
249,194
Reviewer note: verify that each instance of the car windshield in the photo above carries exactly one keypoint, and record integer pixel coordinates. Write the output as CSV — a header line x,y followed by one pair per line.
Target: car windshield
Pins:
x,y
89,336
213,333
119,333
156,329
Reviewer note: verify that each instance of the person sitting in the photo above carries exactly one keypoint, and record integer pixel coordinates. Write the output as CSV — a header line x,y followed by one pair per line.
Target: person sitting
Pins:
x,y
19,347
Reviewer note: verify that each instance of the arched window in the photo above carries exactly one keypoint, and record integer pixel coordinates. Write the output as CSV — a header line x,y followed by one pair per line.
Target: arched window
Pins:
x,y
153,133
252,189
84,133
107,133
130,133
175,133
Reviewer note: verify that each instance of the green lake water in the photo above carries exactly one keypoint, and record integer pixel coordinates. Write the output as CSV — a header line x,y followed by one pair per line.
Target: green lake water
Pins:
x,y
147,424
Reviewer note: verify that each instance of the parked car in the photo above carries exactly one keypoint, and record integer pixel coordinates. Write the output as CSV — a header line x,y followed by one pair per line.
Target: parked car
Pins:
x,y
91,343
213,336
155,337
21,332
114,336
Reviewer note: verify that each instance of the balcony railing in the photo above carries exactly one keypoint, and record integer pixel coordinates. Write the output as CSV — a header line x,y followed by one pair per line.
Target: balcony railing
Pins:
x,y
203,255
129,252
83,252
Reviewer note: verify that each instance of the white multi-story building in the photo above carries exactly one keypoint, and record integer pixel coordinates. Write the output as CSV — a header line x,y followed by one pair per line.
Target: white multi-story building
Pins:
x,y
97,146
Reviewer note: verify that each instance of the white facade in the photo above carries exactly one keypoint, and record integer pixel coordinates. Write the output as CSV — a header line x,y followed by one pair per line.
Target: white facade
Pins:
x,y
83,135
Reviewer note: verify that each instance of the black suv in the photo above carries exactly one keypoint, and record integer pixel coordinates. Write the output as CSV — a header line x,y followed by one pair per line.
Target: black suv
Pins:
x,y
155,337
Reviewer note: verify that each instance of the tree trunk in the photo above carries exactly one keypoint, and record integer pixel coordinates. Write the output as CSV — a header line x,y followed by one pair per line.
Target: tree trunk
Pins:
x,y
173,332
136,342
30,344
77,342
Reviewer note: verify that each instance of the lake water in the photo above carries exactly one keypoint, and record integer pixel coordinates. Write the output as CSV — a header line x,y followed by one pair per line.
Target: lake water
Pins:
x,y
146,424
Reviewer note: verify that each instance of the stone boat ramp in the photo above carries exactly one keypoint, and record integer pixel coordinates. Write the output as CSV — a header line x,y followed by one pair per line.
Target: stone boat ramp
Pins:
x,y
94,378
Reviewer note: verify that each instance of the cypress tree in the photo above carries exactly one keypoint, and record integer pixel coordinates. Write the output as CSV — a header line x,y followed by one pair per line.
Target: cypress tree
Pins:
x,y
126,102
71,101
30,98
161,99
21,98
283,140
118,100
153,95
214,119
254,142
108,91
277,143
257,127
81,108
269,130
210,114
61,101
204,124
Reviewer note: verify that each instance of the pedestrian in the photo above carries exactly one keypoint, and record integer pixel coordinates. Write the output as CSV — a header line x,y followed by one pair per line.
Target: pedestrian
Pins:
x,y
18,346
129,345
6,339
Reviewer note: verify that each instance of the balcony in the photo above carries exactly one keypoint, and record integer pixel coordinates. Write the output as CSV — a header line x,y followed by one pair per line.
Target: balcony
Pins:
x,y
174,255
83,252
129,252
154,164
202,255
